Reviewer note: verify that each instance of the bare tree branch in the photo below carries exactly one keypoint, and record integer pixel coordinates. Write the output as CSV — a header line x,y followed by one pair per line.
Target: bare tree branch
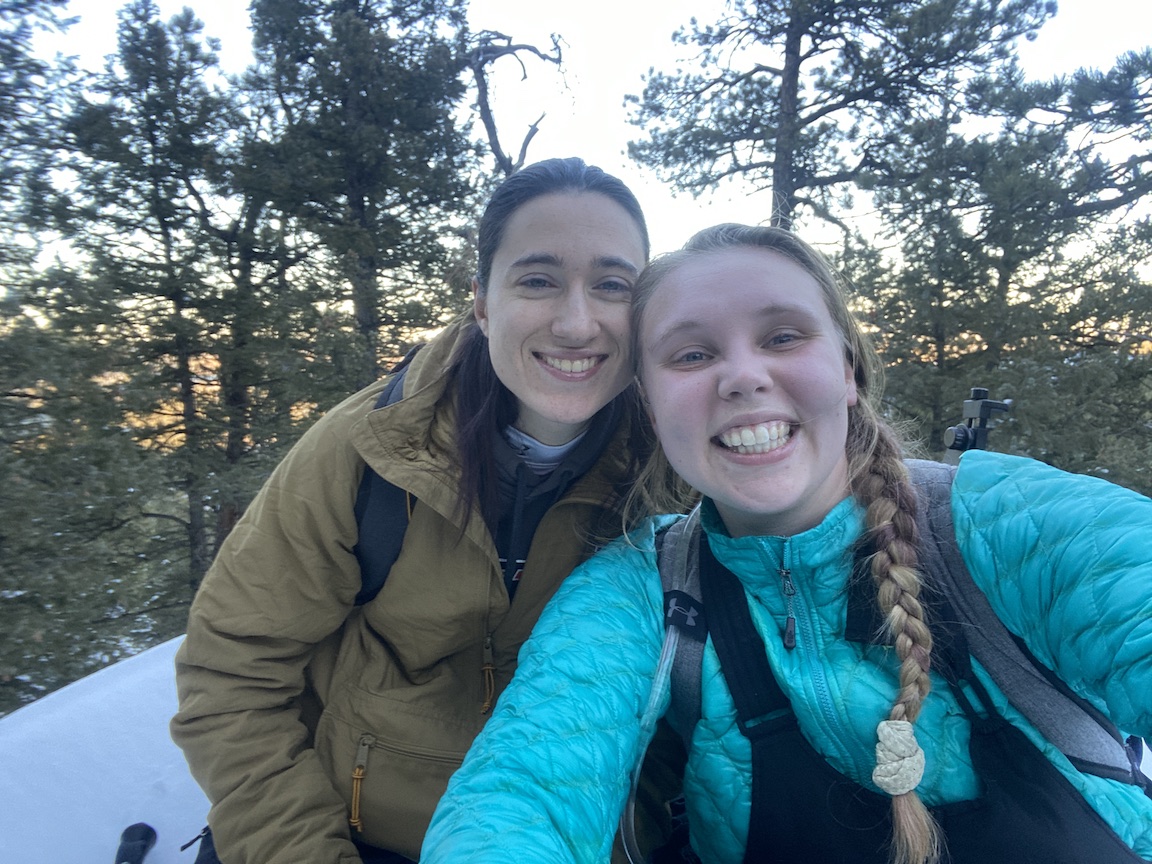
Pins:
x,y
490,47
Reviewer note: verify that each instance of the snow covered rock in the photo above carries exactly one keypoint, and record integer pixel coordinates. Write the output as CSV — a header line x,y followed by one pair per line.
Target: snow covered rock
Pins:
x,y
82,764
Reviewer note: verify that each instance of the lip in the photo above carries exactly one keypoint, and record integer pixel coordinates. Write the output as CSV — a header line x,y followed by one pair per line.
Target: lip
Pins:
x,y
750,419
570,366
758,439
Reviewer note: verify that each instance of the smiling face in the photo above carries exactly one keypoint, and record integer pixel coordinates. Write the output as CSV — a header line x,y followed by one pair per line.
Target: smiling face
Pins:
x,y
556,309
748,387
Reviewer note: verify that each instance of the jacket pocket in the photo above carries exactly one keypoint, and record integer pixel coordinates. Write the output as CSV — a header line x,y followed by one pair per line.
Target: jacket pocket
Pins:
x,y
391,766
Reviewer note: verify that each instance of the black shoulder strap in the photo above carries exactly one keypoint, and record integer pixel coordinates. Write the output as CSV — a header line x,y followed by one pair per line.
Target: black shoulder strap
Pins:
x,y
762,710
1089,740
382,509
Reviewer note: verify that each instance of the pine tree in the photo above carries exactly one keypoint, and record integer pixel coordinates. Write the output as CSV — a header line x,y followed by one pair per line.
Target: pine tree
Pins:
x,y
1014,273
803,98
214,236
370,153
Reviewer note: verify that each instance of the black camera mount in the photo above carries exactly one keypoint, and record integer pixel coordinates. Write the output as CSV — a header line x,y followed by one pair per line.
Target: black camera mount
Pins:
x,y
972,434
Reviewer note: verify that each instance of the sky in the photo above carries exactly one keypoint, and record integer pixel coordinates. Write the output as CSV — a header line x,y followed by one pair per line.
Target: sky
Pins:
x,y
608,46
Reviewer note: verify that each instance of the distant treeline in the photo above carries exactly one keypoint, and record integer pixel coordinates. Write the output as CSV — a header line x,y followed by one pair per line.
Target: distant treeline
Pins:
x,y
193,266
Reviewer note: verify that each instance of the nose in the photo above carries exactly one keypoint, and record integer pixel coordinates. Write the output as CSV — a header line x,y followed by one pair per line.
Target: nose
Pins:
x,y
575,321
744,374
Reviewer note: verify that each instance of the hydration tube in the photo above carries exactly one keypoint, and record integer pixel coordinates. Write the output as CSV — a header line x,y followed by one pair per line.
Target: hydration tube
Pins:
x,y
661,684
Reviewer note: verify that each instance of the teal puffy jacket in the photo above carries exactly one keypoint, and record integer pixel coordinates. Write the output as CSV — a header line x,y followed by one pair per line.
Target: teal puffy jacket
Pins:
x,y
1066,562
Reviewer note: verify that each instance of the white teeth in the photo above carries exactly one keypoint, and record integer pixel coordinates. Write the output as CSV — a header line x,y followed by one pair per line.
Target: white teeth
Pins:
x,y
757,439
582,365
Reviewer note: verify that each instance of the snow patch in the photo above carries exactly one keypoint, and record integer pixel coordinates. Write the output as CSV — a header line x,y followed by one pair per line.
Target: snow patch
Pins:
x,y
83,763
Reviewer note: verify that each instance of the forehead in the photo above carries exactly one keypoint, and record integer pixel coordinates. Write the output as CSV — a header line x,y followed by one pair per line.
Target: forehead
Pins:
x,y
731,284
573,227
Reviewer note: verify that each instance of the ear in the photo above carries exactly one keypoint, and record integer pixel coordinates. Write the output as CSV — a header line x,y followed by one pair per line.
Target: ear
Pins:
x,y
850,385
647,406
480,306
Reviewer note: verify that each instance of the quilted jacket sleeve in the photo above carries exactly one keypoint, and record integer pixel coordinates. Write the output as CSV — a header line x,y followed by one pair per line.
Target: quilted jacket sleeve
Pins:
x,y
1066,561
547,778
283,581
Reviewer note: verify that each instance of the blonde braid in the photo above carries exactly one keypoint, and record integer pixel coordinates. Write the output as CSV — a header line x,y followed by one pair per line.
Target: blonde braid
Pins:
x,y
885,490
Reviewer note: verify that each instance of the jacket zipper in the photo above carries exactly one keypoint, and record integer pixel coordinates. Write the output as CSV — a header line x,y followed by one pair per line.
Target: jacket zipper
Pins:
x,y
359,769
790,621
489,670
837,729
788,589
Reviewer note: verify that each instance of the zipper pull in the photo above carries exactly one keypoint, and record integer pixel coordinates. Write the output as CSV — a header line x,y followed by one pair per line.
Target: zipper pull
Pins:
x,y
790,623
203,833
489,670
359,769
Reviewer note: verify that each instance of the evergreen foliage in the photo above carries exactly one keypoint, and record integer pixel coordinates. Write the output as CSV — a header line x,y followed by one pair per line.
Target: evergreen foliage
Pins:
x,y
996,228
369,153
227,256
194,265
1022,267
803,99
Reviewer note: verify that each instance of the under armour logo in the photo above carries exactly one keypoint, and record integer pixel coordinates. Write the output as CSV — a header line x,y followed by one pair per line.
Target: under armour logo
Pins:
x,y
689,612
684,612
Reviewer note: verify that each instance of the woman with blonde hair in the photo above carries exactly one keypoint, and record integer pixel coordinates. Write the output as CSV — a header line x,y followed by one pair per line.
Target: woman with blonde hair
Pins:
x,y
882,743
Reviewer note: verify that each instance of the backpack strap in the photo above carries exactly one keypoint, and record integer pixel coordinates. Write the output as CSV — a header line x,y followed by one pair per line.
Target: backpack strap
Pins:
x,y
763,712
684,635
1089,740
382,509
677,556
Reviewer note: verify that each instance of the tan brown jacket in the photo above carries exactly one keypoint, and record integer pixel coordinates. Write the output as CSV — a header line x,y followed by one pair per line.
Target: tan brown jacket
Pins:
x,y
286,687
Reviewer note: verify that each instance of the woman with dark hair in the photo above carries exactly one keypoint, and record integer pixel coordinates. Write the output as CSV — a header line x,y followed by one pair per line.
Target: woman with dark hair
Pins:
x,y
835,716
325,731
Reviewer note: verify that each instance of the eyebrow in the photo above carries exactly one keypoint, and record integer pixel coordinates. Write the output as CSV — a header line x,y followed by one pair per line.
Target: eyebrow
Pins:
x,y
612,262
533,258
689,324
605,262
664,335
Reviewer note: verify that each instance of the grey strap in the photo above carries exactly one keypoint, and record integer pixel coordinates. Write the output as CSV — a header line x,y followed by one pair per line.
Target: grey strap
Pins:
x,y
1085,736
678,558
1081,737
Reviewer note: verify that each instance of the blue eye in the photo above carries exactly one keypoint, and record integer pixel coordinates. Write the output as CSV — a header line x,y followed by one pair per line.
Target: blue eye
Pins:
x,y
690,357
783,339
615,286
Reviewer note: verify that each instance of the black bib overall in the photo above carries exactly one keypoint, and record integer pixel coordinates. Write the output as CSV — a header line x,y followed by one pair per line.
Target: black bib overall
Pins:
x,y
806,812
